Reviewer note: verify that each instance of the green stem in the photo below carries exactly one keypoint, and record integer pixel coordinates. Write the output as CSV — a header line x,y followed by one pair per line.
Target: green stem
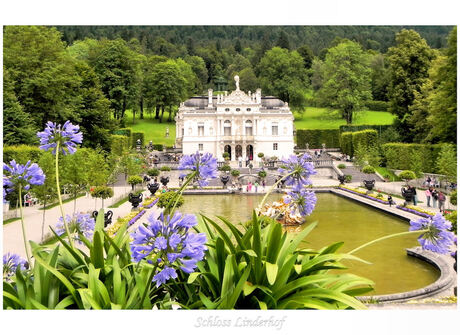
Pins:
x,y
24,228
180,191
387,237
60,199
270,190
149,282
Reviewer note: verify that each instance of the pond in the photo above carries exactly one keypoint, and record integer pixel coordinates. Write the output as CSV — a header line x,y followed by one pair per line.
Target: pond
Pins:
x,y
340,219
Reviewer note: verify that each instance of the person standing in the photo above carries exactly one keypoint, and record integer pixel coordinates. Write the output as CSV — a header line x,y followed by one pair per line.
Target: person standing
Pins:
x,y
428,196
240,161
263,184
434,195
256,186
249,186
414,196
442,200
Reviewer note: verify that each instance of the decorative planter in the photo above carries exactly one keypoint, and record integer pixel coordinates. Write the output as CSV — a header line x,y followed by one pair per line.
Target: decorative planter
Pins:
x,y
224,179
164,180
135,200
341,179
369,184
153,188
107,217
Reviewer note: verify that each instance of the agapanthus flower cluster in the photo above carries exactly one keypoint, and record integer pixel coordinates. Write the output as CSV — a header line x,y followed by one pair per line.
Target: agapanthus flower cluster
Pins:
x,y
302,200
167,243
205,164
437,238
300,168
22,176
11,262
83,223
67,135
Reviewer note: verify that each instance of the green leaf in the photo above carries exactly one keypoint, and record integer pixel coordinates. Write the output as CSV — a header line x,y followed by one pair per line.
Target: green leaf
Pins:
x,y
87,299
238,288
99,226
222,234
67,301
192,277
13,298
273,245
272,271
97,252
290,246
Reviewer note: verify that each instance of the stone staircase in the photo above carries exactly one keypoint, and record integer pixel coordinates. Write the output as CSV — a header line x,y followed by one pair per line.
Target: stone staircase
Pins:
x,y
358,176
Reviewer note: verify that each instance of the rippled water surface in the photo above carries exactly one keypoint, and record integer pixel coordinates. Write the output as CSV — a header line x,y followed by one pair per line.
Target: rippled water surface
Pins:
x,y
344,220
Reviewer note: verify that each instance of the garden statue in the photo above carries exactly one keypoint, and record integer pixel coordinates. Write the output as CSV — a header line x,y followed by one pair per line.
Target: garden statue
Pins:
x,y
107,217
341,178
138,144
153,188
369,184
164,180
135,200
224,179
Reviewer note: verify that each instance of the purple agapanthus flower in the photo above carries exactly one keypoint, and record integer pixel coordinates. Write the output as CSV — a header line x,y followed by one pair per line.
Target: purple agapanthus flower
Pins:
x,y
22,176
67,135
168,242
437,238
301,199
205,164
301,168
83,223
11,262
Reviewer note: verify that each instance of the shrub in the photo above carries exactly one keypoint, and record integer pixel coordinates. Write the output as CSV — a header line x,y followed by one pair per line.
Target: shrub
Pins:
x,y
153,172
134,180
368,169
346,143
165,168
137,136
225,167
21,153
225,155
157,147
262,174
407,175
102,192
235,173
452,217
316,137
353,128
380,106
365,139
119,144
348,178
341,166
166,197
453,198
260,154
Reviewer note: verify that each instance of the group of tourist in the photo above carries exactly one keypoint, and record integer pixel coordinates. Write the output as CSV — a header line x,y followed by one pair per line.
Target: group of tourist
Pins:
x,y
438,197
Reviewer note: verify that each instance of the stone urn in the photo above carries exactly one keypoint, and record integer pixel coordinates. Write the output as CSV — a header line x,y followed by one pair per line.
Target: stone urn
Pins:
x,y
135,200
341,179
146,179
164,181
153,188
107,217
224,179
369,184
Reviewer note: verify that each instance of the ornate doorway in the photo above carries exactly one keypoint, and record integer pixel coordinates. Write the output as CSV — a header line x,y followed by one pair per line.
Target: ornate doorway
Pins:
x,y
228,149
238,151
249,152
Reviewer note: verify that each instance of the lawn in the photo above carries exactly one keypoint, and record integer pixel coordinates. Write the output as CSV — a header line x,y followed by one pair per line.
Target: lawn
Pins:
x,y
154,131
320,118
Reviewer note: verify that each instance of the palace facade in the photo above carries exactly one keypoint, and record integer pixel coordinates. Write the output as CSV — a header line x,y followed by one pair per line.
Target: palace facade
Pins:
x,y
239,123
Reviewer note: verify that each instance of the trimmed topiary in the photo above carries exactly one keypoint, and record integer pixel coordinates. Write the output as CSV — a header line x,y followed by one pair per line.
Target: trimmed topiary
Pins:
x,y
235,173
225,168
166,197
348,178
368,169
134,180
153,172
341,166
260,154
407,175
165,168
262,174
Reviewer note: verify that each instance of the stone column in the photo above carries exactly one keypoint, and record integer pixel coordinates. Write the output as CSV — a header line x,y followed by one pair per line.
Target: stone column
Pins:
x,y
258,95
210,97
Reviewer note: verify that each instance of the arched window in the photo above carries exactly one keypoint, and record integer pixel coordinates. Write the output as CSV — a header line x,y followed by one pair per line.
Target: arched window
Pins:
x,y
238,109
227,109
211,131
275,128
248,125
248,109
227,128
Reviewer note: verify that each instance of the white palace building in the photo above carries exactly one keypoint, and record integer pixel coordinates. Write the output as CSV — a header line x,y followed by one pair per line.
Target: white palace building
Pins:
x,y
239,123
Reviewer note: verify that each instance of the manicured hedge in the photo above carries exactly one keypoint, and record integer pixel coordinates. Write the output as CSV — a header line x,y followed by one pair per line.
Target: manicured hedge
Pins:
x,y
135,136
346,144
365,138
398,155
158,147
125,132
119,144
316,137
21,153
379,128
379,106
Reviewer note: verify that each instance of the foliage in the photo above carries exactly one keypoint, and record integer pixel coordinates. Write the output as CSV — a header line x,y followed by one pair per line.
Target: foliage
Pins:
x,y
379,80
153,172
446,162
368,169
102,192
21,153
380,106
166,197
453,198
407,175
282,74
235,173
260,154
158,147
165,168
365,138
348,178
316,138
346,143
119,144
452,217
398,155
225,155
225,167
134,180
341,166
262,174
137,136
409,62
346,79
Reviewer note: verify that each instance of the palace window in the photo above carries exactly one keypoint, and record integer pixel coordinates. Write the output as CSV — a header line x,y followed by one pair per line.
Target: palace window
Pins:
x,y
183,131
275,128
275,146
248,124
227,109
200,147
201,129
211,131
227,128
248,109
238,109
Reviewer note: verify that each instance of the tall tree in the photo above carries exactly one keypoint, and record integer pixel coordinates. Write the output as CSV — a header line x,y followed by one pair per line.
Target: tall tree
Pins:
x,y
409,62
199,68
443,101
346,84
237,46
307,55
282,73
379,77
283,40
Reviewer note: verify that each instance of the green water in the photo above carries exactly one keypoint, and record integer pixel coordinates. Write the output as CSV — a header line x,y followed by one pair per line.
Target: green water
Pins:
x,y
344,220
